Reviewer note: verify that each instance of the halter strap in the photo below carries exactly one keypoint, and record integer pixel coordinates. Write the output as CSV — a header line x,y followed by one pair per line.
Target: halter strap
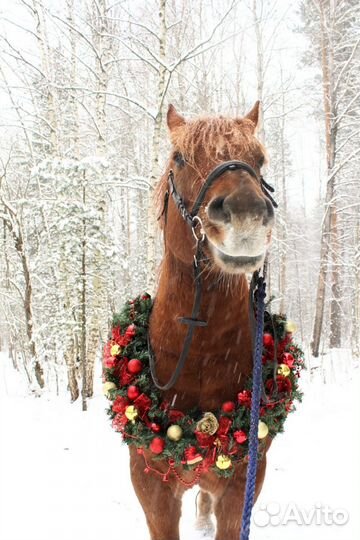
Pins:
x,y
215,174
192,322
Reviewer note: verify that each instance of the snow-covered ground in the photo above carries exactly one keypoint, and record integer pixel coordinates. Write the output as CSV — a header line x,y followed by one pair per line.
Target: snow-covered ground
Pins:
x,y
64,474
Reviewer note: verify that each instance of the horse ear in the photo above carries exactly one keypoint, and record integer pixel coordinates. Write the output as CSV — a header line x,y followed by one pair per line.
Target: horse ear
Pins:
x,y
254,114
174,119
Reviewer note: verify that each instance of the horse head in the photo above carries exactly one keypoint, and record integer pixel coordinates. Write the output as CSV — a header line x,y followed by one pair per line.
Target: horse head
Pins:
x,y
236,215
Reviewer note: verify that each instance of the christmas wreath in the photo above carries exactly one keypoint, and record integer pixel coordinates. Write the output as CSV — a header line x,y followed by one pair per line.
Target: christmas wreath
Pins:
x,y
196,440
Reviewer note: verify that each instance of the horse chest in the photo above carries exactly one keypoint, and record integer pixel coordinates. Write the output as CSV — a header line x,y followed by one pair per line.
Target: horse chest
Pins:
x,y
207,380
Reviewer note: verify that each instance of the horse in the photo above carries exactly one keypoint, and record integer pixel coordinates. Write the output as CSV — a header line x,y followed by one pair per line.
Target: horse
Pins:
x,y
235,220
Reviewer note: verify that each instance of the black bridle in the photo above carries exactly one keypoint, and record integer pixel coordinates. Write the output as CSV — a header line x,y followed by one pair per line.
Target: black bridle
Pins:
x,y
193,220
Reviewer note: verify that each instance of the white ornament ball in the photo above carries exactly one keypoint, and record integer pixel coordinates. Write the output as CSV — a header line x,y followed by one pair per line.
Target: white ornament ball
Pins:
x,y
107,387
263,430
174,432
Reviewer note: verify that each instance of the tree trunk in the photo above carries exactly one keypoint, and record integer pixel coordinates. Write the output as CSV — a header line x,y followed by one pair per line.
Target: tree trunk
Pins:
x,y
70,359
102,45
92,350
335,305
39,373
46,69
155,153
83,308
74,131
283,245
259,67
330,210
355,334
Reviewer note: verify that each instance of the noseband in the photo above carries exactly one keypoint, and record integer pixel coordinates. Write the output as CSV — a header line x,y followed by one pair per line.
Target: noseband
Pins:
x,y
193,220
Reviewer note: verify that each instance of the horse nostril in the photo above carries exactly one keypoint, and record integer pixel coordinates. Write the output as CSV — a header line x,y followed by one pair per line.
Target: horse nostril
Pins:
x,y
217,211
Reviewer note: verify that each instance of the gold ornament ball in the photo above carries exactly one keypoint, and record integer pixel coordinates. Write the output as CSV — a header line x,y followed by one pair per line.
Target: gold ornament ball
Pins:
x,y
131,413
115,350
290,327
174,432
284,370
107,387
223,462
263,430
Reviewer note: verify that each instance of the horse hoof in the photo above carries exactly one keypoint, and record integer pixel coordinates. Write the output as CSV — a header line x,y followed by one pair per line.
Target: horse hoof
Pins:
x,y
205,526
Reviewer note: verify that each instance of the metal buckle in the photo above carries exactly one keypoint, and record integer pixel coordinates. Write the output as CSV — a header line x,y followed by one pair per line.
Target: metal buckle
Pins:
x,y
197,221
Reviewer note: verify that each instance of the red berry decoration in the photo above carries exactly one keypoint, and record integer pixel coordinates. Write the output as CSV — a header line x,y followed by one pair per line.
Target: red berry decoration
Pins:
x,y
288,359
133,392
268,340
135,366
155,427
120,404
130,331
228,406
157,445
244,398
240,436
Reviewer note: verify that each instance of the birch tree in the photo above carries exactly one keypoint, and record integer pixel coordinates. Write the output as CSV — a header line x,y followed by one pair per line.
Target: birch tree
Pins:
x,y
334,34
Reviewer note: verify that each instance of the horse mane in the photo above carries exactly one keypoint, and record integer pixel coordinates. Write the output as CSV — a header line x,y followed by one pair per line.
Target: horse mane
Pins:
x,y
218,137
215,139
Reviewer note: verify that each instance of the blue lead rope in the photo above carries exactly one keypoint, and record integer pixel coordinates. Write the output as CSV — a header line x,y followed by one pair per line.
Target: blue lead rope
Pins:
x,y
255,411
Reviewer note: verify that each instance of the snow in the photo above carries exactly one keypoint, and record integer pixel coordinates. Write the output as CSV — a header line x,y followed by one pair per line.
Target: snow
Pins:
x,y
64,473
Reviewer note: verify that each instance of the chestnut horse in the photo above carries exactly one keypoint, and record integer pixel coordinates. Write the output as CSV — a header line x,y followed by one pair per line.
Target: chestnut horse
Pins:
x,y
236,219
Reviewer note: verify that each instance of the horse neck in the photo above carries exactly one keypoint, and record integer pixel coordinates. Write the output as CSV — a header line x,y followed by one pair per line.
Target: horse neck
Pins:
x,y
222,347
223,301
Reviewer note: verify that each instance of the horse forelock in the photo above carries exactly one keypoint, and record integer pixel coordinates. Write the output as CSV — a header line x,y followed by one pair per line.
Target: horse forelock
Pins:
x,y
213,139
207,141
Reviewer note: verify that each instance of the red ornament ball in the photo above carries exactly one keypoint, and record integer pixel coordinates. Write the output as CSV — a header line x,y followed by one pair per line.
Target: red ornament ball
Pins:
x,y
135,366
288,359
133,392
240,436
268,340
157,445
228,406
155,427
131,331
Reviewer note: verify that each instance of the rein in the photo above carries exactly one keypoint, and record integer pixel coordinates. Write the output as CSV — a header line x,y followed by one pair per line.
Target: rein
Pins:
x,y
258,294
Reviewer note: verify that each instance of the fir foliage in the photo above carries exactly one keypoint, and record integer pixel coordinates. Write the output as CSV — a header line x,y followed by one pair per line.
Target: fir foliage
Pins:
x,y
130,329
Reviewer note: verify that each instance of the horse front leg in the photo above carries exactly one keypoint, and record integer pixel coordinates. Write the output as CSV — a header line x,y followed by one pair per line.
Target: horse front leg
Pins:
x,y
160,501
229,505
204,510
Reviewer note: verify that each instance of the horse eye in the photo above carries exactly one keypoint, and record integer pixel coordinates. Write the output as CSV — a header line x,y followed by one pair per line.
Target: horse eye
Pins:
x,y
261,161
179,160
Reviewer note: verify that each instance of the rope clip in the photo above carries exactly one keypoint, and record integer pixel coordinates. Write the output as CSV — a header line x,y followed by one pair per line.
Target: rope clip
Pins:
x,y
195,222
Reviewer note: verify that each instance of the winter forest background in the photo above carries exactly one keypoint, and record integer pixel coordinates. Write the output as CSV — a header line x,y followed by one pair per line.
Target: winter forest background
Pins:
x,y
85,85
84,90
